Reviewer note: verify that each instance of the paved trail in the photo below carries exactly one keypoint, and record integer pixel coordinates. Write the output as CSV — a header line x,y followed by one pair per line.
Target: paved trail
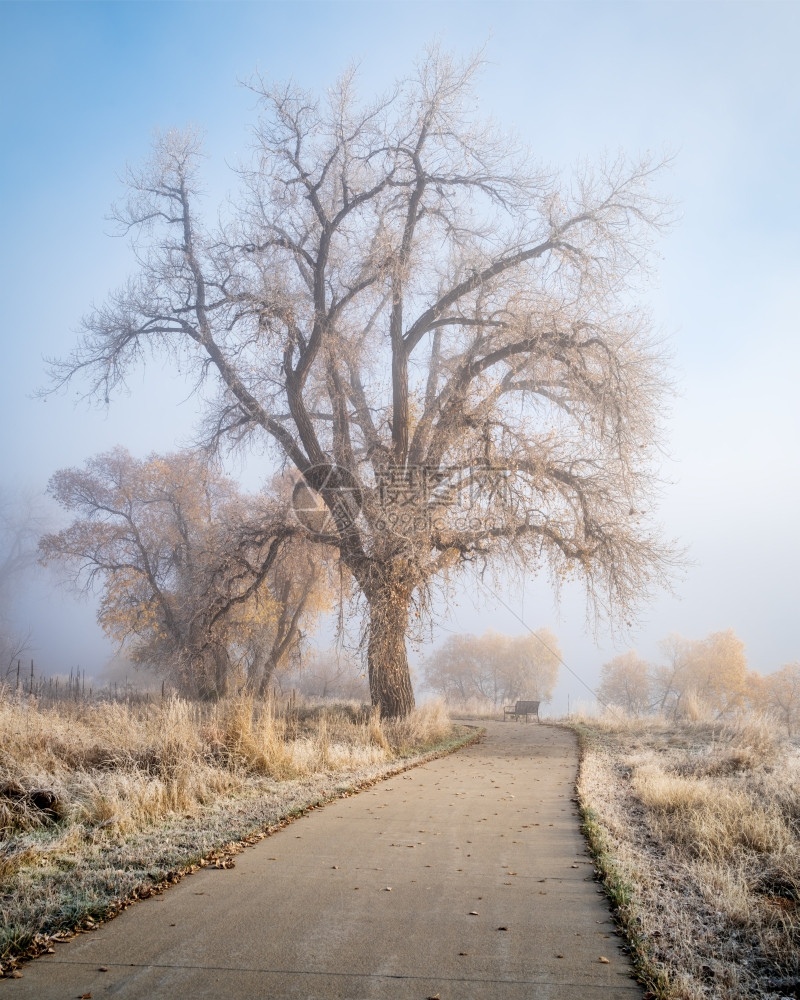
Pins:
x,y
307,913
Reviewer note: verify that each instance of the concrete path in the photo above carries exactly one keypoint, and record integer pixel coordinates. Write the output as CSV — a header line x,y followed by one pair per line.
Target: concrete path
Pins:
x,y
464,878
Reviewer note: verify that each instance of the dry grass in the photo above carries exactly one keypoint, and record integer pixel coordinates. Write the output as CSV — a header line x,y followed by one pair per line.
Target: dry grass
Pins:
x,y
98,800
698,830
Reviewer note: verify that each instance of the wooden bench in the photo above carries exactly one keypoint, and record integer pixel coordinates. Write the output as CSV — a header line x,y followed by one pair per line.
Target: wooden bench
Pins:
x,y
525,708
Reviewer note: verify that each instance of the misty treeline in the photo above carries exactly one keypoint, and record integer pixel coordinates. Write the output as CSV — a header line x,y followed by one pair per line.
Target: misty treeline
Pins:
x,y
494,670
330,675
701,677
435,335
209,586
22,521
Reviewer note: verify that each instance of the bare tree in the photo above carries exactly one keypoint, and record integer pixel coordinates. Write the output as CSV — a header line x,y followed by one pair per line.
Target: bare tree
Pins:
x,y
532,662
669,680
626,681
460,671
196,579
780,694
299,587
712,671
439,336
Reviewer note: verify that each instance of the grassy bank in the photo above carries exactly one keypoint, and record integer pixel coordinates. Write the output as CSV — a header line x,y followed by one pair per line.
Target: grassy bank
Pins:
x,y
696,831
104,803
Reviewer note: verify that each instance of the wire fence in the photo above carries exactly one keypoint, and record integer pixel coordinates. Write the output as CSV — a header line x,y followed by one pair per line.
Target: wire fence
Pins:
x,y
22,679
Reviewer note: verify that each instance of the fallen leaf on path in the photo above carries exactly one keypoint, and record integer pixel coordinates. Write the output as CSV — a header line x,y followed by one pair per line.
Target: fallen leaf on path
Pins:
x,y
102,968
387,888
473,913
604,960
559,956
502,928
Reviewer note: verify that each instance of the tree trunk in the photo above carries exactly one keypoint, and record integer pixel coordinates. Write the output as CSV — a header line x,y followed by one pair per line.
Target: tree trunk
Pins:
x,y
221,670
389,676
270,666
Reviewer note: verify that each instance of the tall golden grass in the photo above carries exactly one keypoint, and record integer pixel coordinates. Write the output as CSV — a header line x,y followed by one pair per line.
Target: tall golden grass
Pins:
x,y
117,766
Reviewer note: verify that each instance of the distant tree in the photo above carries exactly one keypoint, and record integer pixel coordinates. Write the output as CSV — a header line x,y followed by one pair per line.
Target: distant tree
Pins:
x,y
532,662
195,579
780,694
670,678
625,681
421,322
754,690
454,671
718,671
712,671
494,668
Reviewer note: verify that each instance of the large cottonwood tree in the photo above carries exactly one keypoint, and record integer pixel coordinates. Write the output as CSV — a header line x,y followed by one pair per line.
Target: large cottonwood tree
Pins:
x,y
438,335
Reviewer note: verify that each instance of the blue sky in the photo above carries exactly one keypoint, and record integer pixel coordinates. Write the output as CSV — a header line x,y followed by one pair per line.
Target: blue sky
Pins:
x,y
84,85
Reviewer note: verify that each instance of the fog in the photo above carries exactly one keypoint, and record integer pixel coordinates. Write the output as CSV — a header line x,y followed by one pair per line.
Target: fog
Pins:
x,y
718,84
